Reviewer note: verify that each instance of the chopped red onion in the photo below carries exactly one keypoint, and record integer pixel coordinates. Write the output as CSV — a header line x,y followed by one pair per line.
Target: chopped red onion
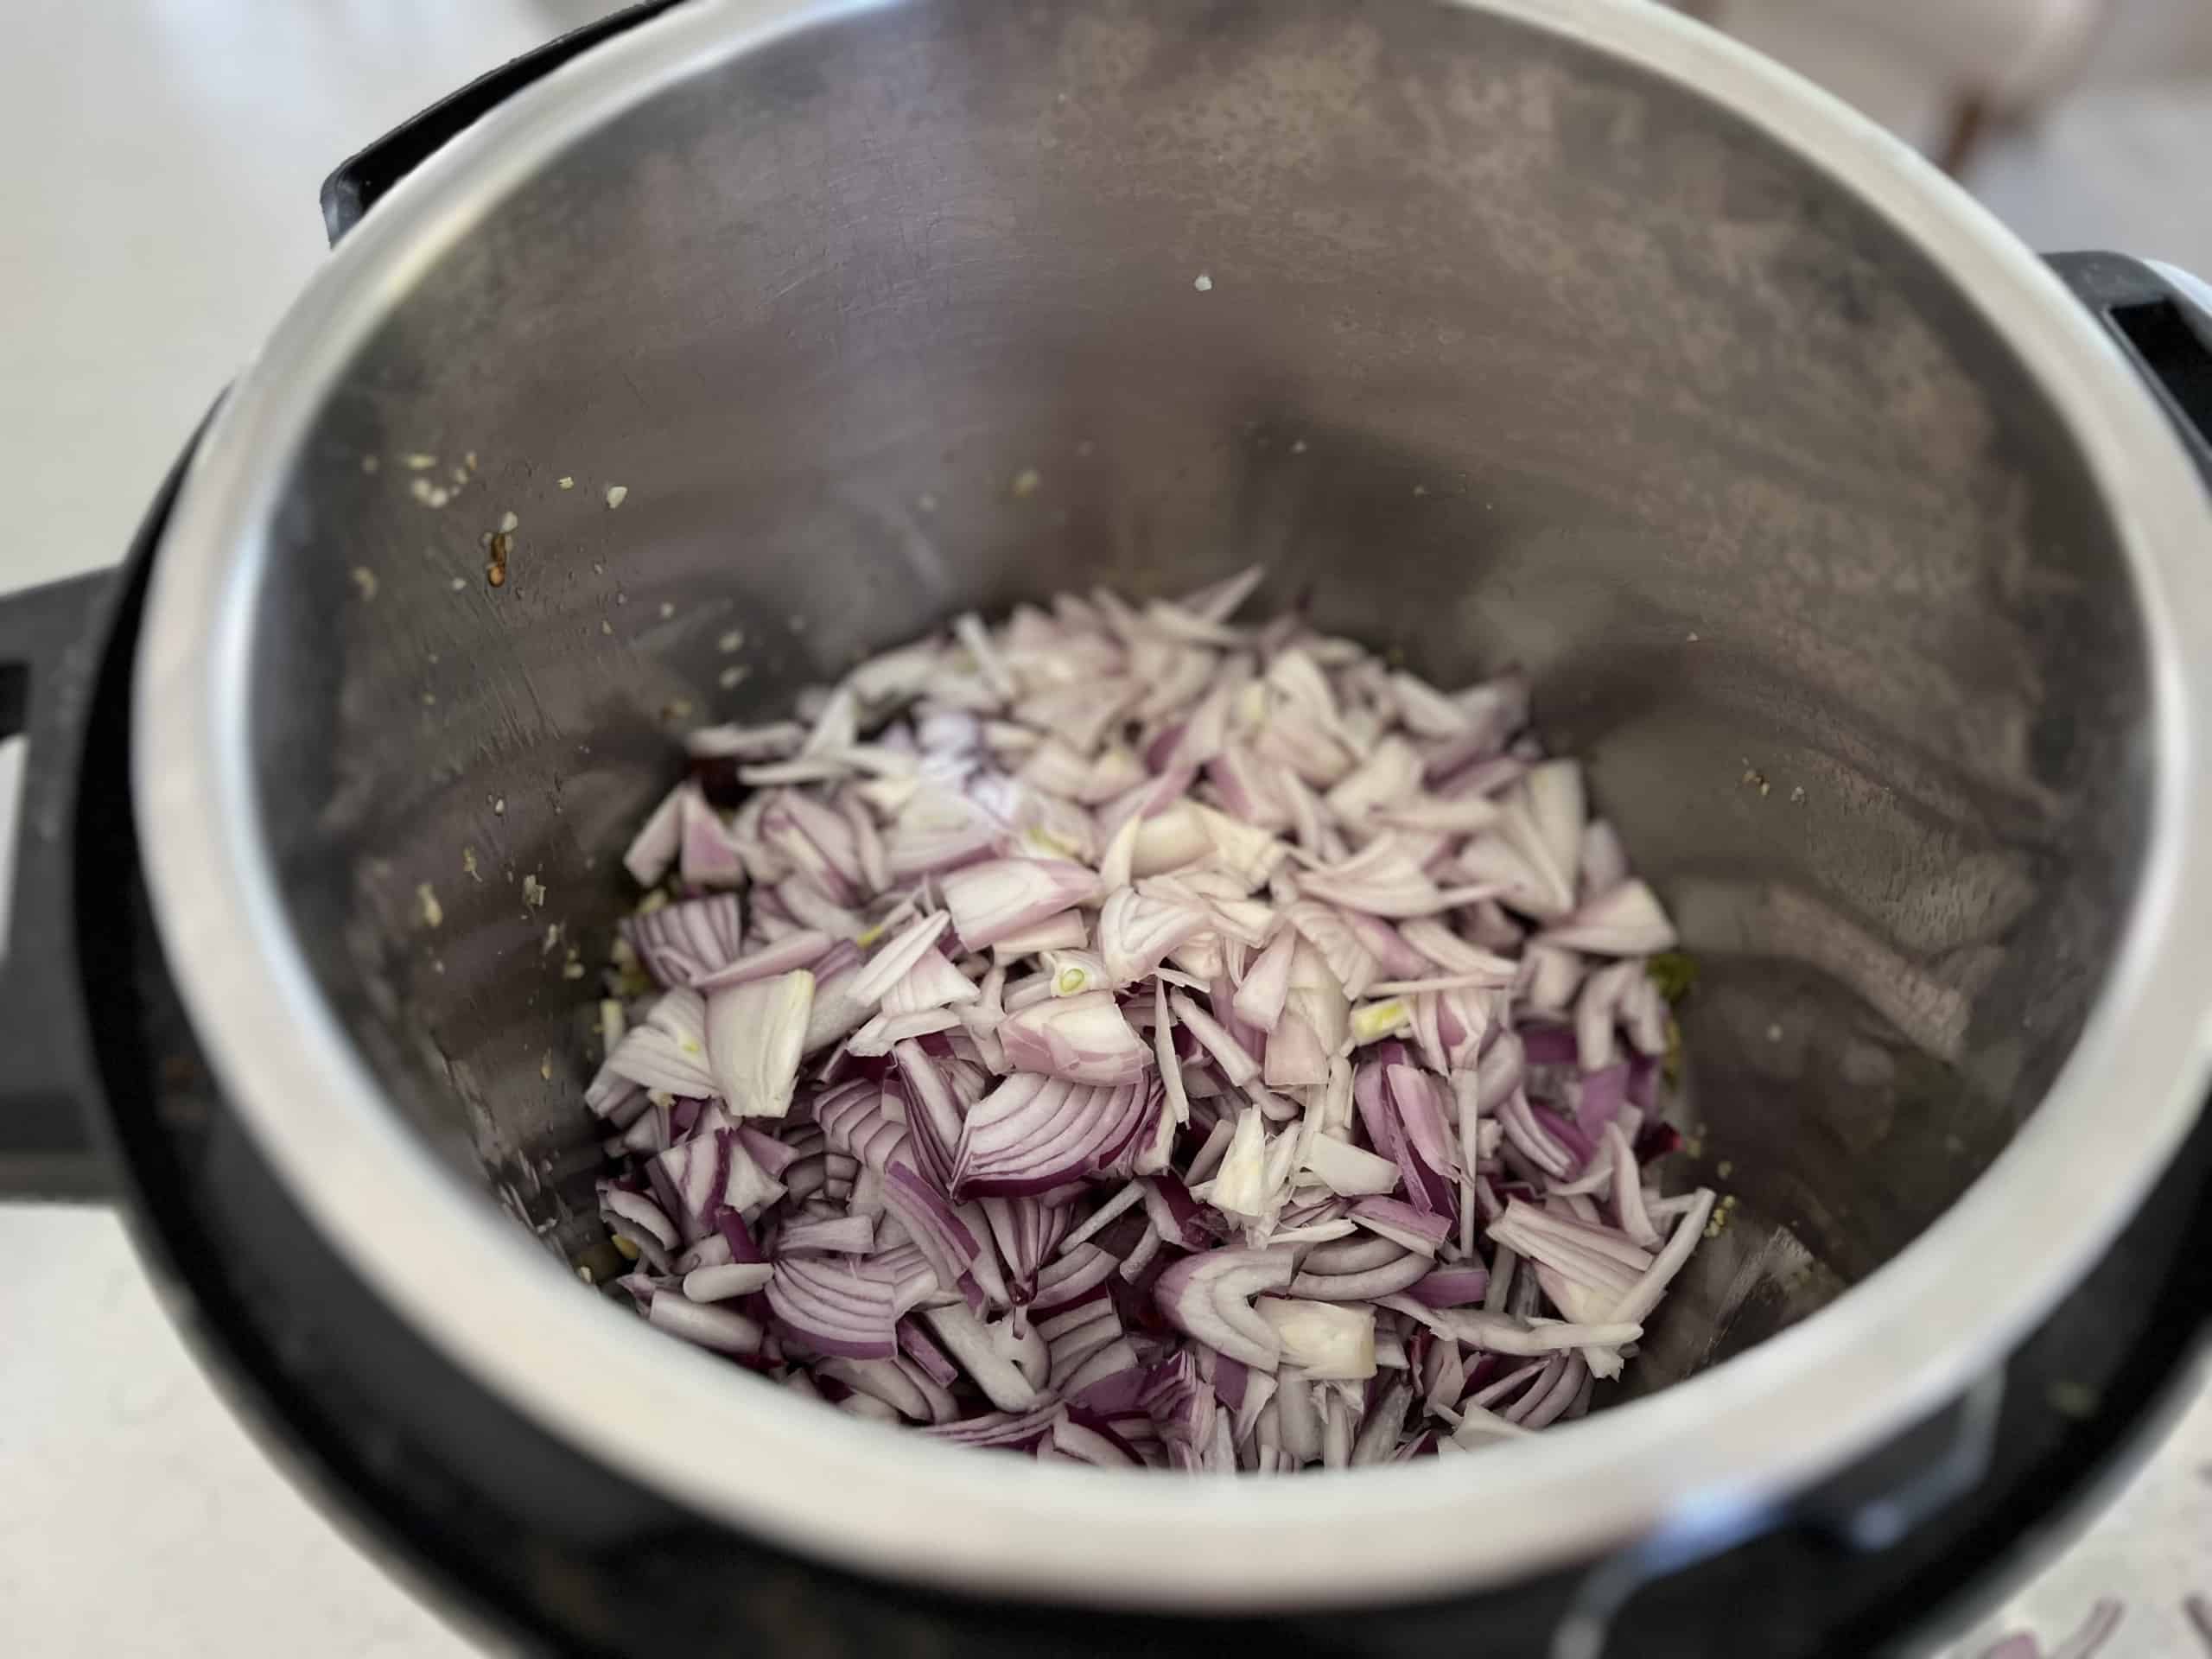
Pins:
x,y
721,1283
755,1038
1034,1134
722,1329
909,1098
1625,920
990,900
1083,1039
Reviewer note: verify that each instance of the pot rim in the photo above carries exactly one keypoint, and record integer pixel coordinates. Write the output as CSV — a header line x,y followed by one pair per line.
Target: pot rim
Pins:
x,y
1887,1352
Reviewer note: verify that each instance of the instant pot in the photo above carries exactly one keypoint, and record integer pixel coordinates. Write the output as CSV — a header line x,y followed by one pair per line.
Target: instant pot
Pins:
x,y
1862,555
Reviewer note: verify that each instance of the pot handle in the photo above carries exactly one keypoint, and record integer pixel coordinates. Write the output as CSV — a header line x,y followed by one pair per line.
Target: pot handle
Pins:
x,y
362,179
50,640
2161,320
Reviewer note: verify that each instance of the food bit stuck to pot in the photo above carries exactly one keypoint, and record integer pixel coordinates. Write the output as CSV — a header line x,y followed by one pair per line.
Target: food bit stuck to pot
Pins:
x,y
1126,1036
616,494
497,549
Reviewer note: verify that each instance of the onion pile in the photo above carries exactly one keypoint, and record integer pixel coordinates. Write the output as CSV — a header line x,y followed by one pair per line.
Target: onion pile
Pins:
x,y
1126,1037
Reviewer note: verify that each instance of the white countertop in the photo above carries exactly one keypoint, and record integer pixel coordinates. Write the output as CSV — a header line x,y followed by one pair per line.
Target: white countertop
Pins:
x,y
161,212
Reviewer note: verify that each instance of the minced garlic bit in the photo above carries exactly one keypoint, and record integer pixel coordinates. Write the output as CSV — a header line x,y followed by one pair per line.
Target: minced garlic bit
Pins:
x,y
365,580
1026,481
460,584
533,893
468,865
545,1066
552,935
434,913
667,609
430,494
732,677
418,463
567,483
500,806
731,641
616,494
1372,1022
508,523
1202,283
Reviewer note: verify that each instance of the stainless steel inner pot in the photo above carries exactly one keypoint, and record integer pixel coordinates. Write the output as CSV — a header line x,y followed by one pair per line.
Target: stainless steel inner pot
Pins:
x,y
1555,332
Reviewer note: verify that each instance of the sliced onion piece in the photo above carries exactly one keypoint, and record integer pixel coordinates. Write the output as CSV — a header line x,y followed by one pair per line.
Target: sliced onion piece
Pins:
x,y
1626,920
1347,1169
1324,1340
756,1035
1208,1296
724,1330
733,1279
1083,1039
669,1051
990,900
1033,1133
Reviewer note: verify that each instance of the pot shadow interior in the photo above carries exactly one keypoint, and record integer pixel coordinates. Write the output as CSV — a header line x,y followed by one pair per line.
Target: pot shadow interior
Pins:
x,y
1511,353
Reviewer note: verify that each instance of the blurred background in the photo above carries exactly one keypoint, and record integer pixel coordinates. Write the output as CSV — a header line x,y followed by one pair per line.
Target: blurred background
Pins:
x,y
159,215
